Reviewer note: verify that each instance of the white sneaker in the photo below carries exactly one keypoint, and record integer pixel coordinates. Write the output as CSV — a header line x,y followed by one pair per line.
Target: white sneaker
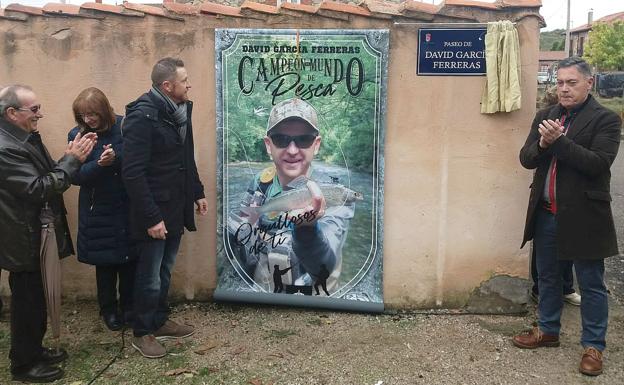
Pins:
x,y
573,299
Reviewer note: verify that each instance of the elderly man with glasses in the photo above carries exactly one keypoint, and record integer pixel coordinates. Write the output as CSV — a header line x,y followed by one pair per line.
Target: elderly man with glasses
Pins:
x,y
30,180
307,240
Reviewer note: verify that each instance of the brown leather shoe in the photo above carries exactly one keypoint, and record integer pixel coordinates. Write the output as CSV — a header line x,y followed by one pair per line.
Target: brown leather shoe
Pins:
x,y
534,338
171,330
591,363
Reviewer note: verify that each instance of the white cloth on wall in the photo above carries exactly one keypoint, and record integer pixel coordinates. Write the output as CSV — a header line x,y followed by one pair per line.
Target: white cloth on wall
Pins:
x,y
502,59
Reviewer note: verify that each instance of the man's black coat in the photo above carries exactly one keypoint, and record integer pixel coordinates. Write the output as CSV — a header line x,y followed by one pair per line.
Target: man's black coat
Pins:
x,y
158,168
29,179
585,228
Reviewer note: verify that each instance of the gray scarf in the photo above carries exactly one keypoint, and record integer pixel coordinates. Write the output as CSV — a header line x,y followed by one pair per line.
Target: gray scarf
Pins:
x,y
178,111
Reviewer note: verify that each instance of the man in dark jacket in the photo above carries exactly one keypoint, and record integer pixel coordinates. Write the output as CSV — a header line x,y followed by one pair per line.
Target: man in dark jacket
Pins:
x,y
572,146
29,180
162,183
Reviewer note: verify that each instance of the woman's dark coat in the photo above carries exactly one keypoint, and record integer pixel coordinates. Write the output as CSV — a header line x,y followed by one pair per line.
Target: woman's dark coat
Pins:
x,y
102,204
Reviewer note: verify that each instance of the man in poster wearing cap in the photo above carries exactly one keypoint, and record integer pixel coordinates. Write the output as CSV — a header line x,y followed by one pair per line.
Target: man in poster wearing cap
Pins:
x,y
292,140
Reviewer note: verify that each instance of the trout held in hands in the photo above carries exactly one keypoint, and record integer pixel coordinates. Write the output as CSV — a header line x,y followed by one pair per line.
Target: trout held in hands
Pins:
x,y
299,196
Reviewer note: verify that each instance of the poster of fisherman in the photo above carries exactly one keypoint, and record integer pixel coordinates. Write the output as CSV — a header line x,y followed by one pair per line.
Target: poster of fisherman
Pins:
x,y
300,120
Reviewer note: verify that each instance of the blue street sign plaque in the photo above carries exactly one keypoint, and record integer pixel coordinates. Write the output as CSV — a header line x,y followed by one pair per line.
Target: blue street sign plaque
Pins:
x,y
457,52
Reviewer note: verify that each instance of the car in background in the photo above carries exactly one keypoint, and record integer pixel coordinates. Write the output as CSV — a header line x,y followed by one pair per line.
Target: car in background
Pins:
x,y
610,84
542,77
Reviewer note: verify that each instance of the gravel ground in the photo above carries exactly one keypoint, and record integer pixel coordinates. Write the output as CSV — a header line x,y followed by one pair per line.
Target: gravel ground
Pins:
x,y
237,344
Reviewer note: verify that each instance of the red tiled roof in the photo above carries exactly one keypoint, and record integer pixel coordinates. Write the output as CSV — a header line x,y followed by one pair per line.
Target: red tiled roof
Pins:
x,y
219,9
605,19
552,55
103,7
64,9
181,9
327,8
257,7
521,3
147,9
471,3
36,11
611,18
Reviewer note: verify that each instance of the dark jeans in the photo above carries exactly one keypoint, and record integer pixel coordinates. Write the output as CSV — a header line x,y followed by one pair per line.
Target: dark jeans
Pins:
x,y
153,275
567,277
107,278
28,319
590,275
1,303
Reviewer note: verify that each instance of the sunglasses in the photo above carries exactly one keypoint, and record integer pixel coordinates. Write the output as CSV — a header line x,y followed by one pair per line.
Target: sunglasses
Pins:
x,y
34,109
301,141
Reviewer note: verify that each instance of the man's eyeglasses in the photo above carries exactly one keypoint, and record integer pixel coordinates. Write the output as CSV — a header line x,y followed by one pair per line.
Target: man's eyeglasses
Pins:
x,y
34,109
301,141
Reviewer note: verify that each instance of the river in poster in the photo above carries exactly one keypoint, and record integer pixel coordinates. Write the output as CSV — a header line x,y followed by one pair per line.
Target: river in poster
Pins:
x,y
301,124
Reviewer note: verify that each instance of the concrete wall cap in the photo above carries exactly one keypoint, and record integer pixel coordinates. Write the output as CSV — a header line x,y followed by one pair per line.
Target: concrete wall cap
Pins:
x,y
416,6
345,8
299,7
383,7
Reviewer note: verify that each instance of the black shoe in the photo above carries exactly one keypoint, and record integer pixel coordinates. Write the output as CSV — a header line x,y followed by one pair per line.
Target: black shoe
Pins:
x,y
53,356
39,373
128,319
112,321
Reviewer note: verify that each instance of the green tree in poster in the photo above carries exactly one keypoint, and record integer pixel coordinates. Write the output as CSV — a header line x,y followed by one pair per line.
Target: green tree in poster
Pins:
x,y
346,119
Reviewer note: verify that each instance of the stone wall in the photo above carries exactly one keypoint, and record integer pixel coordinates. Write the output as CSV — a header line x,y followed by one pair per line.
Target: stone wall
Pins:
x,y
455,194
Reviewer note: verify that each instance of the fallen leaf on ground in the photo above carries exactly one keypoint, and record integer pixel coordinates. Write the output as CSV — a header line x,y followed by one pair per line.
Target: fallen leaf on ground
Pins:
x,y
76,383
178,371
255,381
205,347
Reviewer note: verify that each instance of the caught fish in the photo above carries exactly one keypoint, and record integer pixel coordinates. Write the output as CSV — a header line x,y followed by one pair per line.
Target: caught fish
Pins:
x,y
298,196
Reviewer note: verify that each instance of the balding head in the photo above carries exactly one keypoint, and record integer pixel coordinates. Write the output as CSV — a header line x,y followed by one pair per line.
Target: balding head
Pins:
x,y
18,105
9,97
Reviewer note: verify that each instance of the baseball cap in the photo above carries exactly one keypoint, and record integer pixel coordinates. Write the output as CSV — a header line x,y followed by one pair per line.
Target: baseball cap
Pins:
x,y
292,109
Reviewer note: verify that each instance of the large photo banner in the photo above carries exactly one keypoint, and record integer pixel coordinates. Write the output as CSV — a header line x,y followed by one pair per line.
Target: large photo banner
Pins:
x,y
300,128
